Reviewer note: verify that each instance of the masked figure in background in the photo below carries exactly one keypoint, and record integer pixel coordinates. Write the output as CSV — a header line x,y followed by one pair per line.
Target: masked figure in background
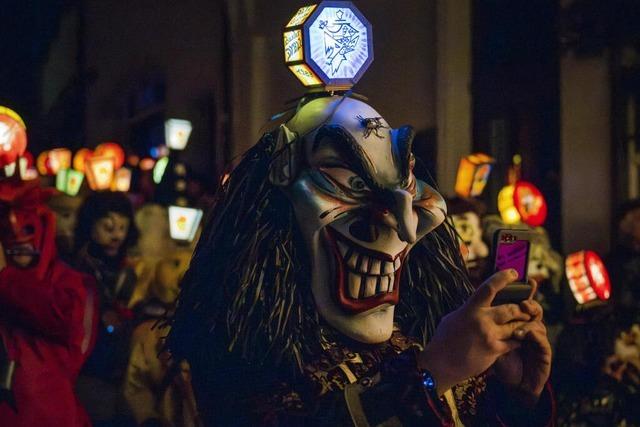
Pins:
x,y
48,315
328,289
157,390
65,209
104,232
466,215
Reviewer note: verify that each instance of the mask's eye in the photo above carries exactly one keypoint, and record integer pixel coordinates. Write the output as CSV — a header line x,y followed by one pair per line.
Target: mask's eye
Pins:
x,y
346,179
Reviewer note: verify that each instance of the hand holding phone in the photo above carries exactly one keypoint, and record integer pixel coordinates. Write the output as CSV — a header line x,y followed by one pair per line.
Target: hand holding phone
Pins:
x,y
511,249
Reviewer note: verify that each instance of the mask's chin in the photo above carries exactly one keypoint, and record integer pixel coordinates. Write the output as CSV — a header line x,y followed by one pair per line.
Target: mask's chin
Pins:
x,y
355,288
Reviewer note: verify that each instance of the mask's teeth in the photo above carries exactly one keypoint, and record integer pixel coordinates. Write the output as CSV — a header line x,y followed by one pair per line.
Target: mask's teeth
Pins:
x,y
354,285
396,264
387,268
353,259
374,267
370,286
392,278
364,264
383,284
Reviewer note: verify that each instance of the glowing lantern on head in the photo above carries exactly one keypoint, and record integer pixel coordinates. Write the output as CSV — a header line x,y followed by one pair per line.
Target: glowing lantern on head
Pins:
x,y
122,181
69,181
176,133
522,202
13,136
113,150
80,158
183,222
100,172
473,174
328,45
588,277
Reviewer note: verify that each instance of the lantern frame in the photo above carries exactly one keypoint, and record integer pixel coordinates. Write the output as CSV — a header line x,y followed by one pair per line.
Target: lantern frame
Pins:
x,y
588,277
93,179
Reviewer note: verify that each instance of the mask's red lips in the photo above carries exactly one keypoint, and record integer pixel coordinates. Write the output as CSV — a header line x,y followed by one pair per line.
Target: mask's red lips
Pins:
x,y
365,278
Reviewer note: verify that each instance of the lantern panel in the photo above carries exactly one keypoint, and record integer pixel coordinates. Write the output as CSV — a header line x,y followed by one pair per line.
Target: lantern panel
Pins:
x,y
74,182
508,211
176,133
530,203
587,276
159,169
301,15
100,172
58,159
122,180
113,150
80,157
293,49
183,222
305,75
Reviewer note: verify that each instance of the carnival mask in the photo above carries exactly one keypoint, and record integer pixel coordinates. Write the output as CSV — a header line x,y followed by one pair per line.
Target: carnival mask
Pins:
x,y
359,207
468,226
110,232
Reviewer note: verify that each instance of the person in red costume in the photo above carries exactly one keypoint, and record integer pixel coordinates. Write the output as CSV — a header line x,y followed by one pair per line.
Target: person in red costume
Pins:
x,y
48,315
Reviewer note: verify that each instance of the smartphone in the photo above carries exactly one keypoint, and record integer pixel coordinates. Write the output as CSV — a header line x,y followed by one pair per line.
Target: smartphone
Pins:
x,y
511,249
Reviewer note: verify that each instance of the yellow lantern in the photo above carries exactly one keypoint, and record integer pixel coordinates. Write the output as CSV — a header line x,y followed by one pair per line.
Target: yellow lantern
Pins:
x,y
183,222
100,172
122,181
522,201
59,158
473,174
80,157
328,45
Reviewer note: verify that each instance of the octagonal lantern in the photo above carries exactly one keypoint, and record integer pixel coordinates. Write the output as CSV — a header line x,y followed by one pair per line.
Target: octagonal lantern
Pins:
x,y
328,45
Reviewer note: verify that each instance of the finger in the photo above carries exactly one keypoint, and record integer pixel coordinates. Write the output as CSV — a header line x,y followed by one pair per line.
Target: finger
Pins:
x,y
506,346
532,308
521,332
506,313
484,295
513,330
534,287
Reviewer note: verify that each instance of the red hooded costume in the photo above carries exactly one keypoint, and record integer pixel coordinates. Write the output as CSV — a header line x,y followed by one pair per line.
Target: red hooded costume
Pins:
x,y
48,316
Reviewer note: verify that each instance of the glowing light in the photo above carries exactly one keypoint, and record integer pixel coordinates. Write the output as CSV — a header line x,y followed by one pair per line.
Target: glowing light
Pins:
x,y
122,180
588,277
13,136
159,169
183,222
146,164
328,45
79,159
522,202
473,174
69,181
176,133
58,158
113,150
100,172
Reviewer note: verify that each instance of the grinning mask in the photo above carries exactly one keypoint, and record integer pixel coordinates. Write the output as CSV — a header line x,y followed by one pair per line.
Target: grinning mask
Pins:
x,y
27,226
349,177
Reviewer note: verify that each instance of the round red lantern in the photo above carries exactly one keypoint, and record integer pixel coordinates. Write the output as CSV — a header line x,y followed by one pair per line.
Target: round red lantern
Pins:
x,y
80,158
13,136
113,150
588,277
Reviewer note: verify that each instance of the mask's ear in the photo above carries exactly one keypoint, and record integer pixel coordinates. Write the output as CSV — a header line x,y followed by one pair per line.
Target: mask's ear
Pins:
x,y
285,163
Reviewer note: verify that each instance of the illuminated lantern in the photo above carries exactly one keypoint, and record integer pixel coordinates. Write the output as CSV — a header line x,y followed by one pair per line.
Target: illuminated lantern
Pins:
x,y
122,181
10,169
522,202
58,158
146,164
133,160
159,169
473,174
176,133
41,163
328,45
588,277
111,149
13,136
69,181
79,159
183,222
100,172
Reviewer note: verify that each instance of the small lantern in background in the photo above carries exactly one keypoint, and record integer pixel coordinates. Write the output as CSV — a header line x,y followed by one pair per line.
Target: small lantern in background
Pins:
x,y
473,174
113,150
100,172
522,202
122,181
13,136
80,158
146,164
176,133
69,181
328,45
58,159
42,163
184,222
588,277
159,169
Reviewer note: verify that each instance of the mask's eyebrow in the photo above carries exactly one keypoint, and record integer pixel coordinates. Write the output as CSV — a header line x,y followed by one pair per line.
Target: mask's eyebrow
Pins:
x,y
343,143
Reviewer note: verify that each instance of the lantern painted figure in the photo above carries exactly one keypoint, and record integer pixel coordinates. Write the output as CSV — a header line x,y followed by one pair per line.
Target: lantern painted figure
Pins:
x,y
48,315
328,288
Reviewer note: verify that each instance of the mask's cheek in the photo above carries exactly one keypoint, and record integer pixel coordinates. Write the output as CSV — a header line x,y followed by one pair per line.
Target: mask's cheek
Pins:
x,y
314,208
430,206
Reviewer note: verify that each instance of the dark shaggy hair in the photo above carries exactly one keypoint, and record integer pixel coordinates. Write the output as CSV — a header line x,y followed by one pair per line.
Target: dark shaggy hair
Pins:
x,y
247,292
98,205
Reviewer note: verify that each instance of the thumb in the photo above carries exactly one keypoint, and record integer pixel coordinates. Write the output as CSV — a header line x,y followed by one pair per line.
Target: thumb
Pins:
x,y
484,295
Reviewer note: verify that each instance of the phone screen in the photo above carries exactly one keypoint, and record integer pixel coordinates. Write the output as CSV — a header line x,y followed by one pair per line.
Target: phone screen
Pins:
x,y
512,253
